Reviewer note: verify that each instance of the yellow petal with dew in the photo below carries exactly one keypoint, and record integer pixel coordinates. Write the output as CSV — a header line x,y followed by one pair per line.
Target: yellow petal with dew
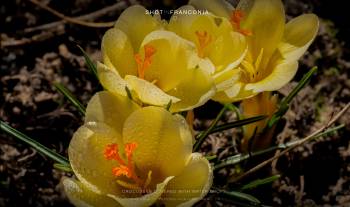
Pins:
x,y
136,23
149,93
172,58
191,185
111,80
225,48
196,88
81,196
86,156
108,108
298,35
145,200
161,147
118,53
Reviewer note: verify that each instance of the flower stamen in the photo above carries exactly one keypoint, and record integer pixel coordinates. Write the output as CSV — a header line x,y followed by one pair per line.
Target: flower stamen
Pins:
x,y
125,168
236,19
204,39
143,65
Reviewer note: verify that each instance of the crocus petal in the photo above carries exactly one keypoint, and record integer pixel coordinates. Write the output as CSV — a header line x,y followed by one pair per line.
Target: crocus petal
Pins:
x,y
191,185
225,79
185,130
298,35
173,56
281,75
118,53
146,200
81,196
217,7
236,92
108,108
160,145
86,156
266,20
226,48
149,93
136,23
194,90
230,49
111,80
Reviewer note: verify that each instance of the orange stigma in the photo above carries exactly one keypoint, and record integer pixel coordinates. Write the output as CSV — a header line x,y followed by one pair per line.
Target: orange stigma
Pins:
x,y
143,65
204,40
125,168
236,18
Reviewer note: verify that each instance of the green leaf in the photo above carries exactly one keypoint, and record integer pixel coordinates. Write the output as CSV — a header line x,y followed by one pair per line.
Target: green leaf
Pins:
x,y
63,90
169,105
284,105
36,145
202,135
259,182
242,196
65,168
238,123
90,65
211,157
233,160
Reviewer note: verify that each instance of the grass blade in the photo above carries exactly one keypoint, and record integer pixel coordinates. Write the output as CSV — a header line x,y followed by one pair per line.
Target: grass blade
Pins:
x,y
65,168
64,91
284,105
90,65
36,145
201,136
259,182
234,195
233,160
238,123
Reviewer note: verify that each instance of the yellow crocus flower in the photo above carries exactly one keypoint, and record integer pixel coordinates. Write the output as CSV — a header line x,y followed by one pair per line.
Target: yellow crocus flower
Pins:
x,y
214,38
154,64
274,47
125,155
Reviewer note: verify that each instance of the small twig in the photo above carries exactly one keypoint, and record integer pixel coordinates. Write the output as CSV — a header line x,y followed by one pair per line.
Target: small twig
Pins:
x,y
91,16
71,19
301,190
298,143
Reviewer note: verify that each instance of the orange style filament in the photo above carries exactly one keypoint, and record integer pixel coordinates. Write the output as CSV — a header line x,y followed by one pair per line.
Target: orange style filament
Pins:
x,y
236,18
204,40
125,168
144,64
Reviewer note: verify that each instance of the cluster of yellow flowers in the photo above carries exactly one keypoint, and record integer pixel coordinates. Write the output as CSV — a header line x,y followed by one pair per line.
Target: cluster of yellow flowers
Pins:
x,y
131,150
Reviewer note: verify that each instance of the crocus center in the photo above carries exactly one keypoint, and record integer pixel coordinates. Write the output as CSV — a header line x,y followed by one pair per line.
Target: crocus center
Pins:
x,y
126,166
253,71
236,19
204,40
145,63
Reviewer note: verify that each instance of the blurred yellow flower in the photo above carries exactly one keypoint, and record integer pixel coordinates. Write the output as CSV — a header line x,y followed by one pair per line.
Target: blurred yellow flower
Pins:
x,y
154,64
125,155
215,40
262,104
274,47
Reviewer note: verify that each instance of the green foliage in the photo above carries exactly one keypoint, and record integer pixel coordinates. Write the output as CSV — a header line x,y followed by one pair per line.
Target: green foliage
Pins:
x,y
284,105
36,145
259,182
90,65
64,91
